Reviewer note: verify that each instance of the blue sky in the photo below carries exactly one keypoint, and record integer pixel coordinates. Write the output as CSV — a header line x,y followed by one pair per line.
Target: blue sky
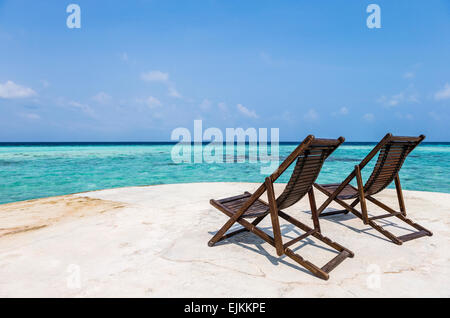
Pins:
x,y
136,70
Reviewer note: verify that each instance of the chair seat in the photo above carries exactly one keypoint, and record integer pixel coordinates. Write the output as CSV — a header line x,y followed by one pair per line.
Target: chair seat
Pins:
x,y
233,204
349,191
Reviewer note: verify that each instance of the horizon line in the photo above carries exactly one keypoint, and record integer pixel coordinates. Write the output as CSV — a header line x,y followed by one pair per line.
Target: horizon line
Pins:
x,y
171,142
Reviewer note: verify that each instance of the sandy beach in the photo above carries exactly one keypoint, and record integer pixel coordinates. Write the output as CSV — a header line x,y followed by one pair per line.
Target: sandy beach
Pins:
x,y
152,242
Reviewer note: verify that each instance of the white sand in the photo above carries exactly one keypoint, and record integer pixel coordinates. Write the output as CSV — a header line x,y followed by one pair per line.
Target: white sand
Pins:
x,y
152,242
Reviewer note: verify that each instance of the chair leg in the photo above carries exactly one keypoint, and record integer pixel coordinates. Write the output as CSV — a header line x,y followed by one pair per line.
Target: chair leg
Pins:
x,y
274,216
314,214
362,198
398,188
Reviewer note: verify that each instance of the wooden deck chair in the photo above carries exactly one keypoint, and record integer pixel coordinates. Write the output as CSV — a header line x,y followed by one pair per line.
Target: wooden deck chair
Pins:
x,y
393,151
309,157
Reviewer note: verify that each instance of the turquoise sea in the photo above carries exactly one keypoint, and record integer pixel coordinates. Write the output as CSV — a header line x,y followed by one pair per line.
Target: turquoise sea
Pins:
x,y
29,171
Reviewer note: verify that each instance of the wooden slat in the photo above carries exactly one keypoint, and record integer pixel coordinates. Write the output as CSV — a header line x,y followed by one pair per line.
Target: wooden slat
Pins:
x,y
233,198
412,236
328,267
234,217
328,142
251,227
384,216
323,214
301,237
349,178
390,160
291,158
408,139
226,236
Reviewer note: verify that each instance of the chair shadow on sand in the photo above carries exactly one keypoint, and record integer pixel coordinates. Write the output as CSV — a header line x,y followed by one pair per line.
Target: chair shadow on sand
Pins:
x,y
254,243
341,218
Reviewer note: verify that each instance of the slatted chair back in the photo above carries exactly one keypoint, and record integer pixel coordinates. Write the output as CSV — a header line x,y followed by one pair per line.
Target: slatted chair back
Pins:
x,y
390,160
306,170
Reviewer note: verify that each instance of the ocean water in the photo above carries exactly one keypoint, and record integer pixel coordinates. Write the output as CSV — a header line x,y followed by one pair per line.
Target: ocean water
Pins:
x,y
29,171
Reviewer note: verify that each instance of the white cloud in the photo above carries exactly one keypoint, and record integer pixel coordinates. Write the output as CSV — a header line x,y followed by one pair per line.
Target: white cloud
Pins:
x,y
155,76
245,111
30,116
152,102
174,93
102,98
413,98
395,99
222,106
443,93
409,75
404,116
205,104
11,90
161,77
369,117
124,56
402,97
434,115
266,58
83,107
342,111
75,105
311,115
